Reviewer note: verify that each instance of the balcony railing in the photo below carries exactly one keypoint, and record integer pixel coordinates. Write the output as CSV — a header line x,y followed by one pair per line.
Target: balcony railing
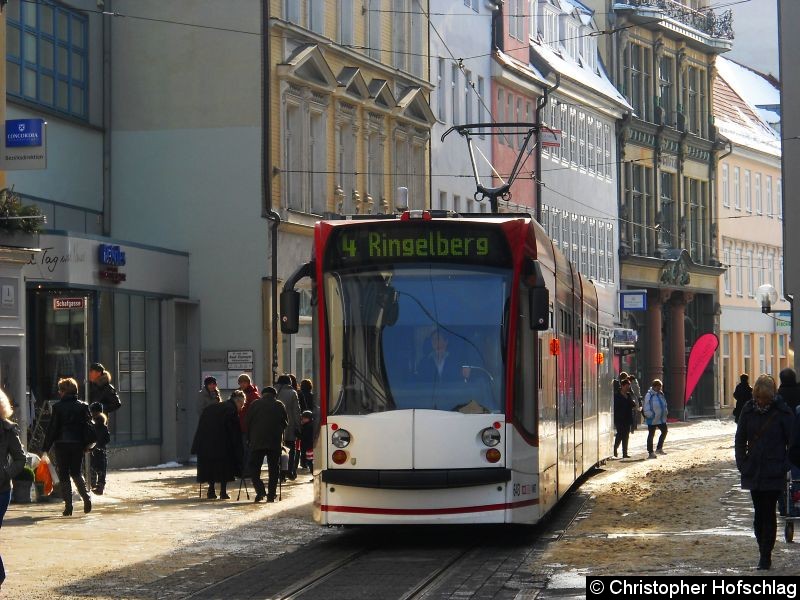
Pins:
x,y
703,19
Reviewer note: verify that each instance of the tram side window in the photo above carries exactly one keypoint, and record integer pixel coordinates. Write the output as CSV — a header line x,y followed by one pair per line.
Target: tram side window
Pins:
x,y
525,392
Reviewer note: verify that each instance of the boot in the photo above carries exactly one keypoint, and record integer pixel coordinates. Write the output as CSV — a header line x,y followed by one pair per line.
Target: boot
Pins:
x,y
67,509
87,499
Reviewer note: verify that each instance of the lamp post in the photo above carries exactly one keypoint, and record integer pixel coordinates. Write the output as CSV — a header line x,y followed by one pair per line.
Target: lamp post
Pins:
x,y
766,296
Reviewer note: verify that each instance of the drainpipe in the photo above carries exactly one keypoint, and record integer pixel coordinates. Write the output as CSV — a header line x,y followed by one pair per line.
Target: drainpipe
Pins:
x,y
266,173
540,104
107,22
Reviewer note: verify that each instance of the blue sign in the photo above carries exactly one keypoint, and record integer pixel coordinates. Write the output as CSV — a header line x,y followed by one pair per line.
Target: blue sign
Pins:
x,y
111,255
24,132
633,300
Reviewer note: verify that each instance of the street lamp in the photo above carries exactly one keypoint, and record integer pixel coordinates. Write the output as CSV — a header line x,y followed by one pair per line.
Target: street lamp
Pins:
x,y
766,296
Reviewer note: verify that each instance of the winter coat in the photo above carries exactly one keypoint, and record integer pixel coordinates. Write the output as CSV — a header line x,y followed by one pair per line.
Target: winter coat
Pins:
x,y
742,394
250,395
218,443
67,423
623,410
103,392
761,445
266,421
306,401
790,395
288,396
103,435
205,397
636,391
654,407
12,458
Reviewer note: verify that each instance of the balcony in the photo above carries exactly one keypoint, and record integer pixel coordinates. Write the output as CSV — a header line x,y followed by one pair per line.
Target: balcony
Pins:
x,y
702,27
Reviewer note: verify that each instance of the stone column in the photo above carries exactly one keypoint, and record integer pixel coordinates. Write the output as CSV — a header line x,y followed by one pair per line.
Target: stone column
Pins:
x,y
676,387
653,343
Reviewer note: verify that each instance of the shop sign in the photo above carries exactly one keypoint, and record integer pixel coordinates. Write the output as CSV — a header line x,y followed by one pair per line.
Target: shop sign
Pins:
x,y
633,300
783,321
112,257
25,145
240,360
69,303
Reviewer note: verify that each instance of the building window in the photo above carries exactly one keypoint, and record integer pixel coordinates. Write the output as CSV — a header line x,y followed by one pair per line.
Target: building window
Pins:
x,y
737,197
346,15
641,203
455,91
467,97
573,135
694,97
726,192
751,290
610,254
346,156
407,36
457,203
293,11
316,15
739,272
441,97
757,185
374,28
747,353
762,354
46,56
376,143
748,198
768,193
759,268
304,148
778,198
533,19
481,104
666,68
637,68
409,164
516,19
726,258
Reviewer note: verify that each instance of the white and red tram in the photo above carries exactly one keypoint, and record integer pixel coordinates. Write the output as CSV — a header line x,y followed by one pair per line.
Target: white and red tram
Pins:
x,y
456,365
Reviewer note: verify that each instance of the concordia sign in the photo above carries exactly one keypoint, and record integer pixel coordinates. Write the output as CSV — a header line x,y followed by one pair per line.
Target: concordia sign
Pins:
x,y
25,145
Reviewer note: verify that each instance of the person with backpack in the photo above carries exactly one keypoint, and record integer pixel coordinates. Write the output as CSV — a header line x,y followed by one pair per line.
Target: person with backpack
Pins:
x,y
98,461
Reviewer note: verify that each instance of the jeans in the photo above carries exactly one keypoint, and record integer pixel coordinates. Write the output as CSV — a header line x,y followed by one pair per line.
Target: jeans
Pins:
x,y
273,468
764,520
69,459
5,498
99,466
651,432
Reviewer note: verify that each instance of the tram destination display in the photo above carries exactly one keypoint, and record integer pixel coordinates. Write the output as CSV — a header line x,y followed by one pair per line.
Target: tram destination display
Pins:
x,y
404,242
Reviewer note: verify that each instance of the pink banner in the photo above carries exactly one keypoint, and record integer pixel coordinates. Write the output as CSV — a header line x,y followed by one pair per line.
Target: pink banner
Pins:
x,y
699,357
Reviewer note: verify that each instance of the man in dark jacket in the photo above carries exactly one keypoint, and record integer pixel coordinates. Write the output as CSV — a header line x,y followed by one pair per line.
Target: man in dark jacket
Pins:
x,y
101,390
789,390
742,394
266,421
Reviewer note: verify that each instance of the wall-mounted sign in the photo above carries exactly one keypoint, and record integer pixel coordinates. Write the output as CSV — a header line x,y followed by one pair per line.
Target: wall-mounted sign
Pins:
x,y
25,145
24,132
68,303
549,138
633,300
240,360
112,255
783,321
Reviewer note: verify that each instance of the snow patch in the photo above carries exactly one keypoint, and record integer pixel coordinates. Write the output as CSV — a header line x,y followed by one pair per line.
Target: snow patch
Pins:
x,y
169,465
571,579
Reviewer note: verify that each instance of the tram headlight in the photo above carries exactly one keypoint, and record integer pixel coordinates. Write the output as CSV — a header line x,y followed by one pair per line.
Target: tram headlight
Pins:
x,y
340,438
490,436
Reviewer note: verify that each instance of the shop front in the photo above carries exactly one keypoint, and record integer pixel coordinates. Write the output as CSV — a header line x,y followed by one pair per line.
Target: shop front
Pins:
x,y
91,299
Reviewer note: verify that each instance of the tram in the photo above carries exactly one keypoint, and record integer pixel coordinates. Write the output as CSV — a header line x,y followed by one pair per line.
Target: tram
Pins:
x,y
456,361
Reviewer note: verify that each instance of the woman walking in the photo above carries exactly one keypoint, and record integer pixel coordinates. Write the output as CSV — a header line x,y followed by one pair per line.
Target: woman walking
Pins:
x,y
654,409
12,460
67,432
218,446
763,435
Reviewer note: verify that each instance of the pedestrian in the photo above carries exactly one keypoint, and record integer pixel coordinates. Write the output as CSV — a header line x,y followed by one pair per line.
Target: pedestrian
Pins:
x,y
209,394
218,446
307,440
101,390
763,435
266,423
98,461
306,395
742,394
250,395
636,394
654,409
288,396
12,461
789,390
66,434
623,415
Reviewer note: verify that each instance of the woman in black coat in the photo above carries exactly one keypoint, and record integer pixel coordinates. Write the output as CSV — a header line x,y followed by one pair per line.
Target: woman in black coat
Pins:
x,y
12,460
789,390
218,446
623,416
742,394
762,438
67,434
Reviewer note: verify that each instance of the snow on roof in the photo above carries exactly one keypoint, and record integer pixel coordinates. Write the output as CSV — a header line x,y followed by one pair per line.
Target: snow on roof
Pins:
x,y
749,84
580,72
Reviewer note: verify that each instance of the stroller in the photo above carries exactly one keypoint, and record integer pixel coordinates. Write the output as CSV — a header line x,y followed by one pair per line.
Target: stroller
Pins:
x,y
789,503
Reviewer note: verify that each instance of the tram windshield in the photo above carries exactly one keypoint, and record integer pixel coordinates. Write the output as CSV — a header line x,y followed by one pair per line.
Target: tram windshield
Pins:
x,y
417,336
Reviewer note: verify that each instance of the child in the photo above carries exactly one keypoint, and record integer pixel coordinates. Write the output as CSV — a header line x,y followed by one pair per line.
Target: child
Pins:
x,y
99,458
307,440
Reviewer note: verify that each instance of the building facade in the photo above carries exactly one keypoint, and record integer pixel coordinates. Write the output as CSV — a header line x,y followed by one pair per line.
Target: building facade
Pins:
x,y
661,57
750,235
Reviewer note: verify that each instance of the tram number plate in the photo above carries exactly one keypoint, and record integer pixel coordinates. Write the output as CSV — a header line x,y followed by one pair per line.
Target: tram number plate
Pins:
x,y
524,489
